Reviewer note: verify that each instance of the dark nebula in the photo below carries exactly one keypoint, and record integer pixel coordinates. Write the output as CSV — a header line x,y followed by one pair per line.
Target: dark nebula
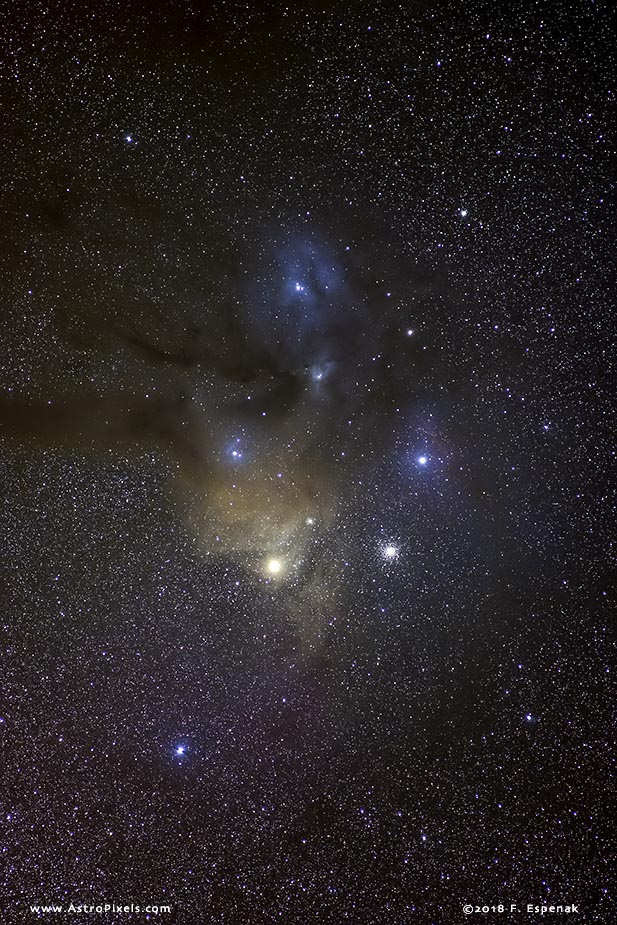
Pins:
x,y
306,444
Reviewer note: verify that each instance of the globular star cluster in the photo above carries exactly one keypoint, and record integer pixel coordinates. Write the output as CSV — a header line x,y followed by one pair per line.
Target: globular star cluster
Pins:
x,y
306,406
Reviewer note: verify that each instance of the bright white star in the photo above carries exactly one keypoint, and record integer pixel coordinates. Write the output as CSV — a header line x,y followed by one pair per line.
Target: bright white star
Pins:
x,y
423,460
390,551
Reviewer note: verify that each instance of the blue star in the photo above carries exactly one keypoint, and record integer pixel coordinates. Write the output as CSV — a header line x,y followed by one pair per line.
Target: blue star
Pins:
x,y
235,450
422,460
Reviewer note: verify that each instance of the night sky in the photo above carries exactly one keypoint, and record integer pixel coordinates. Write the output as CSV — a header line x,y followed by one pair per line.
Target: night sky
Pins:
x,y
306,446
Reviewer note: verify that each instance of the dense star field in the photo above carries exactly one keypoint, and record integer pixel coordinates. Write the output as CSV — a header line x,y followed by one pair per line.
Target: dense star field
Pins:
x,y
306,449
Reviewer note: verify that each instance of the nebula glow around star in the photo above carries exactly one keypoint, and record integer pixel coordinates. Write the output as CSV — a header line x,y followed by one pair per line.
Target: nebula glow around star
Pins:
x,y
305,402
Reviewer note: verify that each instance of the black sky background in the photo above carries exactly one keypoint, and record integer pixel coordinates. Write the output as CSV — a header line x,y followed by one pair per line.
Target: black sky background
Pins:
x,y
369,738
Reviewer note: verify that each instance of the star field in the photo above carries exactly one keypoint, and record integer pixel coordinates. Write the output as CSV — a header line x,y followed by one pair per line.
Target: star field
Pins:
x,y
306,443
